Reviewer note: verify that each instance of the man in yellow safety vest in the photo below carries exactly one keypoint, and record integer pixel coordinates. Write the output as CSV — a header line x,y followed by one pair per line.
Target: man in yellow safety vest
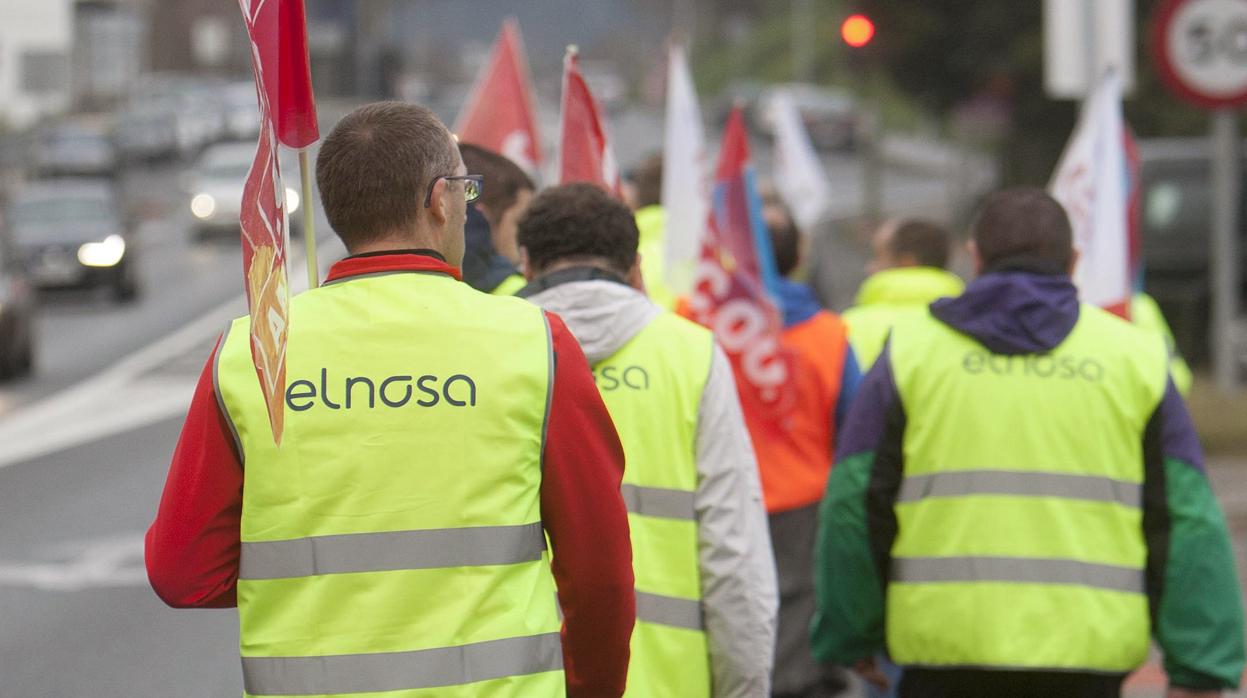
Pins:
x,y
435,439
1019,503
705,579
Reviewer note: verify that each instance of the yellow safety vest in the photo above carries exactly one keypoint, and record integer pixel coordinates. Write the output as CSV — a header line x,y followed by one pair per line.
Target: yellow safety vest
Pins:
x,y
652,387
651,222
1020,540
393,544
1145,313
510,286
889,297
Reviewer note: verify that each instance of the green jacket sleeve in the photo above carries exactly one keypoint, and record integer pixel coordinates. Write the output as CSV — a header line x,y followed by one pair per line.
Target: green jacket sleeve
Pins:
x,y
857,524
1193,589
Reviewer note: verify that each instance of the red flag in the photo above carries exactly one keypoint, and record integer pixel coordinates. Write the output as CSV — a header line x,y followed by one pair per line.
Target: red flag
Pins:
x,y
1134,202
264,226
730,287
585,153
278,32
499,114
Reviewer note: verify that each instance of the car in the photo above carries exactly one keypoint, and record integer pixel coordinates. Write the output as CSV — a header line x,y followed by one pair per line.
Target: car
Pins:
x,y
72,233
17,317
830,115
169,115
215,183
147,132
74,150
242,111
201,118
1176,224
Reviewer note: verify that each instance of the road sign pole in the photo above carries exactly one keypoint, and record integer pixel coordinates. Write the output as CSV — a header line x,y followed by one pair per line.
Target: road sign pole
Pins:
x,y
1226,185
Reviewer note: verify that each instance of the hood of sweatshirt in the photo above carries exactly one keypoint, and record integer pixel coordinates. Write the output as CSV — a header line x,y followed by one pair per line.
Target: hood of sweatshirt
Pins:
x,y
602,312
797,301
1013,312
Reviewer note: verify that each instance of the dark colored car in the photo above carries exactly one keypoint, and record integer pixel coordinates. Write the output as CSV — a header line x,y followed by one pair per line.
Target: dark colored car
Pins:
x,y
1176,220
147,132
17,318
72,233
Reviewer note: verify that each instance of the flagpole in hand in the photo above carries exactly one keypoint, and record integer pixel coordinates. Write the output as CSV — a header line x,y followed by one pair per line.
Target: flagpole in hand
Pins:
x,y
309,221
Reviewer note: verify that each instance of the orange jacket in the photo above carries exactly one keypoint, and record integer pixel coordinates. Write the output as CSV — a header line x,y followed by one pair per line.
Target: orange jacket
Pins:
x,y
795,457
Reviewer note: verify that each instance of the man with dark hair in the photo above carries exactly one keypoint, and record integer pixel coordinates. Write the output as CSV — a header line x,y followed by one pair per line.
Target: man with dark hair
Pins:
x,y
705,580
651,220
1021,482
491,259
435,438
1019,226
796,460
906,273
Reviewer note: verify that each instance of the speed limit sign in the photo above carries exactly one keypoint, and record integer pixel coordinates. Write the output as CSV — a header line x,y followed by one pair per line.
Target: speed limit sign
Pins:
x,y
1200,48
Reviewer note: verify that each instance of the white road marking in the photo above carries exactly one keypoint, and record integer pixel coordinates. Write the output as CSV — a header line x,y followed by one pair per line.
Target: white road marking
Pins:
x,y
126,395
112,562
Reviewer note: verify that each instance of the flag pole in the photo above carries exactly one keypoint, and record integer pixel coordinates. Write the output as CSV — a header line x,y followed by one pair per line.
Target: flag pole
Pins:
x,y
309,221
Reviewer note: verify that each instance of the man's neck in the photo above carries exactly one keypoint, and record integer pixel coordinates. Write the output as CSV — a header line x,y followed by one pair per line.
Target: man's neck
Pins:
x,y
396,244
578,262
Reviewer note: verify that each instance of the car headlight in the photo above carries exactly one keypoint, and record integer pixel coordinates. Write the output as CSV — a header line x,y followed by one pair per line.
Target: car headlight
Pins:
x,y
292,200
203,206
106,253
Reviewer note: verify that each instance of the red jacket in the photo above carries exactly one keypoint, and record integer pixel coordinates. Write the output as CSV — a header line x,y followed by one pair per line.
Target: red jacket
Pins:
x,y
192,548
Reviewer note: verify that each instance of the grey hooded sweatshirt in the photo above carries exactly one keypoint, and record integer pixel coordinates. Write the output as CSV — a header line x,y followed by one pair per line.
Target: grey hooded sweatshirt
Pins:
x,y
739,592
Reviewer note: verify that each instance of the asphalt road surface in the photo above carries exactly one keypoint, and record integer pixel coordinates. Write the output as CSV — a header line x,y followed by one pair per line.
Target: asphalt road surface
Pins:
x,y
87,441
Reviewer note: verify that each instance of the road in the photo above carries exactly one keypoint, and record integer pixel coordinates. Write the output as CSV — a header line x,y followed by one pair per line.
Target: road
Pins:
x,y
88,438
87,443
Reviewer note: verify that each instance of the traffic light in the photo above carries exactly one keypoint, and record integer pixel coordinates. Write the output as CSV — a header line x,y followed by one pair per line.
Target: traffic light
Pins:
x,y
857,30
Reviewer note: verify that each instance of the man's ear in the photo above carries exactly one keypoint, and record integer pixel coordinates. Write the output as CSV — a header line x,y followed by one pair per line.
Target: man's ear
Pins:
x,y
1073,261
973,250
526,268
438,209
634,278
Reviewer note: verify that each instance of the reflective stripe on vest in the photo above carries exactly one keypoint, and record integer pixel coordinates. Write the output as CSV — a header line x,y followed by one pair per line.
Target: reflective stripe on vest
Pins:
x,y
392,550
1017,569
395,671
669,610
653,387
958,483
659,501
1020,501
394,540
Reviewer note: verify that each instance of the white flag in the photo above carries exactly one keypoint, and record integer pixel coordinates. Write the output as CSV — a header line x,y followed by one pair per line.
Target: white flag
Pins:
x,y
1090,182
685,188
799,176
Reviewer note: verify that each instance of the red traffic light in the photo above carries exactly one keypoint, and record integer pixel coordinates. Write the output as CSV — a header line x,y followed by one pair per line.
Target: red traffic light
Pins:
x,y
857,30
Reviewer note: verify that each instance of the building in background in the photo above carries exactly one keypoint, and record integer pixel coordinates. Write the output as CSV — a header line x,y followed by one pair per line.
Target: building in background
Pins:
x,y
35,57
109,50
203,37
